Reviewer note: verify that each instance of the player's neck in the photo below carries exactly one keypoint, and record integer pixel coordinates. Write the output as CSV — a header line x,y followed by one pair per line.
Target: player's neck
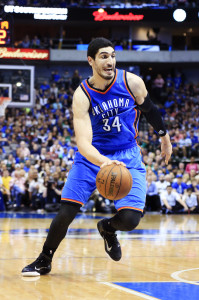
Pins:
x,y
99,83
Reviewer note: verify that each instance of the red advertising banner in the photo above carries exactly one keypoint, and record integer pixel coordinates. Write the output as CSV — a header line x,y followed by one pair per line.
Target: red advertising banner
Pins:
x,y
102,15
16,53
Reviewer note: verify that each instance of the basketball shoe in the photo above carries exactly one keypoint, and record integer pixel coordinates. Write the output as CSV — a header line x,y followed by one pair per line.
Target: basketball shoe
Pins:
x,y
41,266
112,246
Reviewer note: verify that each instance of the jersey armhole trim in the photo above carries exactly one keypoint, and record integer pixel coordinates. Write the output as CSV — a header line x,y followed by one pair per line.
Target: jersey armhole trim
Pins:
x,y
127,85
85,92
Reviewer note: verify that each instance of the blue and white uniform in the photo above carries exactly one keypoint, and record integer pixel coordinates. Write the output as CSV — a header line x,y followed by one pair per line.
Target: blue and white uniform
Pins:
x,y
114,119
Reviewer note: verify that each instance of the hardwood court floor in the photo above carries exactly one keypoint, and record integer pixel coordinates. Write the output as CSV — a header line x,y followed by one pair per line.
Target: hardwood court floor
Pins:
x,y
160,260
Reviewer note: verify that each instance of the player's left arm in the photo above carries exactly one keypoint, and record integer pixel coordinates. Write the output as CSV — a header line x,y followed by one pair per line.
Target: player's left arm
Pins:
x,y
151,112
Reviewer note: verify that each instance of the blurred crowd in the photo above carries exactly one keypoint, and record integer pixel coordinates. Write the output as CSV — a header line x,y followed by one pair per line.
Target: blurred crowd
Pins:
x,y
37,148
105,3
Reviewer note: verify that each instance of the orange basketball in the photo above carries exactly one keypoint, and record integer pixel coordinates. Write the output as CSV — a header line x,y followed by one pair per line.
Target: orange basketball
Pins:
x,y
114,181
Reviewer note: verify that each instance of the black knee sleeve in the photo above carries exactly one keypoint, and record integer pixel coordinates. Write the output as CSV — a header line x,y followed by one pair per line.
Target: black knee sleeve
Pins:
x,y
125,220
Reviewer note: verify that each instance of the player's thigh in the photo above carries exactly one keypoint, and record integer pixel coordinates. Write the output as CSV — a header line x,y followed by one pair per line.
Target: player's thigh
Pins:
x,y
136,197
80,183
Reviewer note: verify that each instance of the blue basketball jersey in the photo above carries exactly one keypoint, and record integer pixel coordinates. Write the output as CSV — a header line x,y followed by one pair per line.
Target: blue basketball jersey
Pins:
x,y
113,113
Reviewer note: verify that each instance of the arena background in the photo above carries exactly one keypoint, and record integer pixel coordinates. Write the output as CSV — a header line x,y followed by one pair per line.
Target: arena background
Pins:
x,y
42,61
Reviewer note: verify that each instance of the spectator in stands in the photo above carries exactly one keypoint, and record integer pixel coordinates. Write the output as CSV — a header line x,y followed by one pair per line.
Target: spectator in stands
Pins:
x,y
190,199
23,150
154,143
158,85
27,165
179,186
178,80
169,83
155,169
52,154
49,141
161,185
178,135
195,143
2,153
35,190
70,156
43,153
184,145
55,133
47,43
181,167
149,162
180,144
26,42
143,140
35,43
152,196
35,151
42,137
56,163
55,76
57,148
192,174
3,139
192,166
51,99
57,104
6,178
10,161
195,187
53,194
43,99
45,86
66,79
172,202
13,141
54,89
17,188
75,80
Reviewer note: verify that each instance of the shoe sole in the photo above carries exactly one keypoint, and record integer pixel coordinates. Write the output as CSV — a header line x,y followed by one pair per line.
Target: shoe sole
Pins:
x,y
30,274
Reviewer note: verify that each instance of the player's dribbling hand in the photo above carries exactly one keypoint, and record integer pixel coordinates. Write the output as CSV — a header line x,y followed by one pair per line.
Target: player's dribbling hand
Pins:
x,y
110,162
166,148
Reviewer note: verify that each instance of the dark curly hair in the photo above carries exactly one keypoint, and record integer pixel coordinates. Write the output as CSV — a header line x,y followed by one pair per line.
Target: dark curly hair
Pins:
x,y
96,44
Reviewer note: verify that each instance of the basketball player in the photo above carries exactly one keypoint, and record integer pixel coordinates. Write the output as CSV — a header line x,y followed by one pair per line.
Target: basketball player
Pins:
x,y
106,109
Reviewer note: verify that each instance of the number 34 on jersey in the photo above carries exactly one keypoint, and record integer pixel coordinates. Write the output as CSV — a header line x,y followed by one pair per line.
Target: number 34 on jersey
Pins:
x,y
115,124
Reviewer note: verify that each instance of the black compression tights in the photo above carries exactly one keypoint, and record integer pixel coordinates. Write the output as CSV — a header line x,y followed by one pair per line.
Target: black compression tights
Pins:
x,y
59,226
124,220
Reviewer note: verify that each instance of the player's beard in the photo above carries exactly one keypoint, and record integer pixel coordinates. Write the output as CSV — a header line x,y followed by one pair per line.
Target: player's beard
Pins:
x,y
106,76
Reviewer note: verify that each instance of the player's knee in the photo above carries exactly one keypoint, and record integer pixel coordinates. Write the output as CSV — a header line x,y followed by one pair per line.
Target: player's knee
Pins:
x,y
129,219
67,213
130,224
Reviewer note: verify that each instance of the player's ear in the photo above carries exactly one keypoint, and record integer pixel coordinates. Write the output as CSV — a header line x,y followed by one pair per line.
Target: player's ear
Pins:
x,y
90,60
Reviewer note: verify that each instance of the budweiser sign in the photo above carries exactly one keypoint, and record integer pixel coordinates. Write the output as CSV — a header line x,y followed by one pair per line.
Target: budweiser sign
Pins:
x,y
102,15
24,53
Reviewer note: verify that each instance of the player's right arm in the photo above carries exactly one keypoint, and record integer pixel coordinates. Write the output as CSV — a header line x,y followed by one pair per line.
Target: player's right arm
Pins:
x,y
151,113
83,130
